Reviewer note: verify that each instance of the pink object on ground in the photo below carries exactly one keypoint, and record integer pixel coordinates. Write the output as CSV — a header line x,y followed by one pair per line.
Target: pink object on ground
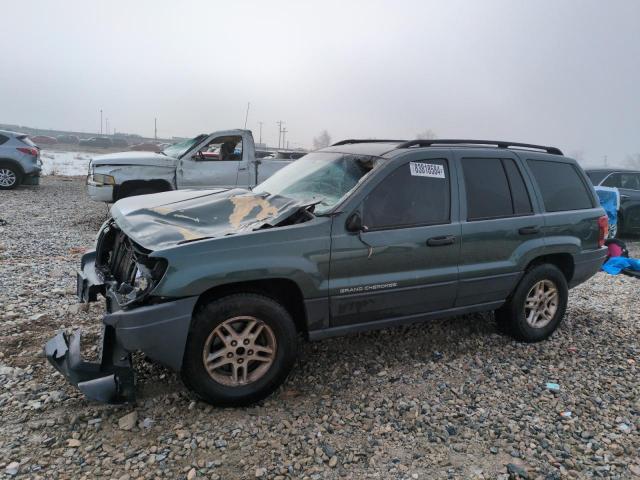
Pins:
x,y
614,250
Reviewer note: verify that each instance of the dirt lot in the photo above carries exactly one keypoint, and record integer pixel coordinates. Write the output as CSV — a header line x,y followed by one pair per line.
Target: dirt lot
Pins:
x,y
447,399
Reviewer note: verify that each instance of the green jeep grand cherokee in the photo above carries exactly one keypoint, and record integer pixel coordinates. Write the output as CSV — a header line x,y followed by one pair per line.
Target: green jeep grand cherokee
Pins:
x,y
220,284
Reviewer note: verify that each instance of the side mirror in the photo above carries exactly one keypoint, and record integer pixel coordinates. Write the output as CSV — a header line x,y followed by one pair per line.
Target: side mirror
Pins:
x,y
354,223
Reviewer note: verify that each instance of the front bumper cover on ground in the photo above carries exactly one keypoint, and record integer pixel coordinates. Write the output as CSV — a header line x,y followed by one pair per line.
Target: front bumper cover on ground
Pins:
x,y
110,381
160,331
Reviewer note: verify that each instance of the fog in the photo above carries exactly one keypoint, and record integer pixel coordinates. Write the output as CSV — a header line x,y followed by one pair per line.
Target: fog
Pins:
x,y
559,73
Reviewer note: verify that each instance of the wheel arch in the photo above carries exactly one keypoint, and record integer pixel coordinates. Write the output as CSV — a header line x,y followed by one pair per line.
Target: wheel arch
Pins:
x,y
282,290
124,189
564,261
12,163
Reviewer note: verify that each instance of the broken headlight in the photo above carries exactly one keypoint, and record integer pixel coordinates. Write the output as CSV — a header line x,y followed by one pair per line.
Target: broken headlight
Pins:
x,y
143,280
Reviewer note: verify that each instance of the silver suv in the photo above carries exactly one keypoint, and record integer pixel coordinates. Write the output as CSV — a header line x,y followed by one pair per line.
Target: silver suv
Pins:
x,y
19,160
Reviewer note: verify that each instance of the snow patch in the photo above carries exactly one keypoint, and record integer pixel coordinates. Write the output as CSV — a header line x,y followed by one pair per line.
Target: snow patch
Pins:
x,y
65,163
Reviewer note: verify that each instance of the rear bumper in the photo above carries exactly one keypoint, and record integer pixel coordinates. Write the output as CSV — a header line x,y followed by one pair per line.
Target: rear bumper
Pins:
x,y
31,179
586,265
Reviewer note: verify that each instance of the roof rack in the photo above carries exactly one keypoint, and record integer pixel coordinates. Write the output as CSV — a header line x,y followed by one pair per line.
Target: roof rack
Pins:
x,y
499,144
351,141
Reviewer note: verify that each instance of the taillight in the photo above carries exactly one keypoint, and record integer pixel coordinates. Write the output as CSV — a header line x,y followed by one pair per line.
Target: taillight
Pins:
x,y
603,226
28,150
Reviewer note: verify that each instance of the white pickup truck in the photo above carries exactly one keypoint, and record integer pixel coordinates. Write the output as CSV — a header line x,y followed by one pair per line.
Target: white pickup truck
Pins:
x,y
221,159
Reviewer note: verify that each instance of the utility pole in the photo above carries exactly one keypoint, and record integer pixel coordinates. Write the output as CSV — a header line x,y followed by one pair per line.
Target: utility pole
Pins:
x,y
100,121
246,117
260,141
106,125
284,133
279,123
155,128
605,160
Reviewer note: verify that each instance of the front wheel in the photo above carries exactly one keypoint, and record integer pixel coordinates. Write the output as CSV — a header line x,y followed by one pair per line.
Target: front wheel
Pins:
x,y
239,350
537,305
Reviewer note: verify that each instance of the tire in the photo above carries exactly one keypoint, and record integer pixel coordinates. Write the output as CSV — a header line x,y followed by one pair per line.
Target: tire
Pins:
x,y
10,177
512,317
278,333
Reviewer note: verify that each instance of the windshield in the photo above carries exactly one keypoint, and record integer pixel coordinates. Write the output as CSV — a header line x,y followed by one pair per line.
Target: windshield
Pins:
x,y
177,150
323,177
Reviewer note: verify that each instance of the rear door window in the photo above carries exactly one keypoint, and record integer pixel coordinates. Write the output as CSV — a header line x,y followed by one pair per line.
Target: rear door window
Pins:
x,y
494,188
416,193
561,186
3,139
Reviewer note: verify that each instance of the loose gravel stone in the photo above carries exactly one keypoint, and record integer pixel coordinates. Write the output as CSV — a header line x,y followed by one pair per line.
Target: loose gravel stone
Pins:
x,y
446,399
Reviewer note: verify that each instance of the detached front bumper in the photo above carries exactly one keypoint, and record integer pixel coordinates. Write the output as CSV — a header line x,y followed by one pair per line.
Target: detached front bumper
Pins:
x,y
160,331
111,381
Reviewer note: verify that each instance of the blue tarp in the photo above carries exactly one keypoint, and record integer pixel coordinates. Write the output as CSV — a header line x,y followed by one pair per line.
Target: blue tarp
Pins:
x,y
610,201
616,264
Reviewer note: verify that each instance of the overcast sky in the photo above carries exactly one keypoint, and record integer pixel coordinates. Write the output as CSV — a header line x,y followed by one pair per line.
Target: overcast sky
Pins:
x,y
563,73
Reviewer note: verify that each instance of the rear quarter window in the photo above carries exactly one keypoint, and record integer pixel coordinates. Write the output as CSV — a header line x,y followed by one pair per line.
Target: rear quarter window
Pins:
x,y
3,139
561,186
26,140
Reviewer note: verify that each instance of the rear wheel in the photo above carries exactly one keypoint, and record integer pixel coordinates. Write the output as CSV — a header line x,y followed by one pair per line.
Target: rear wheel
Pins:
x,y
10,177
239,350
537,305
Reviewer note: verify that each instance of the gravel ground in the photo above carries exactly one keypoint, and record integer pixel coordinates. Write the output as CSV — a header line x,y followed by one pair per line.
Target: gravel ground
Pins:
x,y
446,399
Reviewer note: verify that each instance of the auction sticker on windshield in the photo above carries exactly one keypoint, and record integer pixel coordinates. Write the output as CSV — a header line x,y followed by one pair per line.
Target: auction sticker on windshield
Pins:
x,y
432,170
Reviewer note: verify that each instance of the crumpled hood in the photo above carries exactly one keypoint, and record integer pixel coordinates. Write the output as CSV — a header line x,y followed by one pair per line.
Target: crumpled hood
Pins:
x,y
163,220
134,158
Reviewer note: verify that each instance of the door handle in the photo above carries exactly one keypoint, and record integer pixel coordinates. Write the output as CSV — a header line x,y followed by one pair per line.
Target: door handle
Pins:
x,y
624,197
440,241
529,230
242,168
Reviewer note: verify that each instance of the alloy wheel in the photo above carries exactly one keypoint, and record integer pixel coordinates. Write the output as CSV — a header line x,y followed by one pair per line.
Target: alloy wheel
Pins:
x,y
8,177
541,304
239,351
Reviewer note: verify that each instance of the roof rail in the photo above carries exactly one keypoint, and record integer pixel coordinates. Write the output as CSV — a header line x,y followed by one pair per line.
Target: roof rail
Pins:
x,y
351,141
499,144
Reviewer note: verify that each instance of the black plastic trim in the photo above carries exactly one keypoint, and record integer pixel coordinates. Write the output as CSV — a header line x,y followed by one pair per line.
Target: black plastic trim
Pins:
x,y
471,143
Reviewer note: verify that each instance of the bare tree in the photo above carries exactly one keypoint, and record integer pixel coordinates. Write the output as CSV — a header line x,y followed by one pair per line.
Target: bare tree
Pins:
x,y
322,140
428,134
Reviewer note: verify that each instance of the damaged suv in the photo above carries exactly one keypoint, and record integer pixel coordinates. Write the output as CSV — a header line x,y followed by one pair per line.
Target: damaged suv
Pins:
x,y
220,284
